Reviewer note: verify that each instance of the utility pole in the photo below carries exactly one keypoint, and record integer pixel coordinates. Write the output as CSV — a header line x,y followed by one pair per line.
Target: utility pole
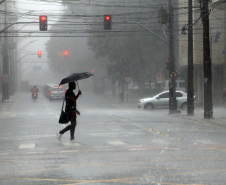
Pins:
x,y
208,103
172,80
190,97
5,85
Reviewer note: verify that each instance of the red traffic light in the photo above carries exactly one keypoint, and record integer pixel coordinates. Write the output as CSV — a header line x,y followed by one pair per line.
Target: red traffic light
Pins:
x,y
65,53
39,54
43,23
107,22
43,18
107,17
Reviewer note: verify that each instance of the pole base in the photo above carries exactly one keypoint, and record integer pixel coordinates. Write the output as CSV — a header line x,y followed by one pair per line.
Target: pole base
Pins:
x,y
174,112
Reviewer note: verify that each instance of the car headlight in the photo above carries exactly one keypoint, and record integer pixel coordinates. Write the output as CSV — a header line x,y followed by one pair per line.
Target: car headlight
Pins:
x,y
140,101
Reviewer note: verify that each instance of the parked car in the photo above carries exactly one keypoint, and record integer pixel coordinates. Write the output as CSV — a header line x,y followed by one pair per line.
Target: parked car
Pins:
x,y
162,101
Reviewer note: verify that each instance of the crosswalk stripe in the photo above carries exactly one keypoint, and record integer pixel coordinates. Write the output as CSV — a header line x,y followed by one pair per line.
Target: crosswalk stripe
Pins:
x,y
71,144
27,146
116,143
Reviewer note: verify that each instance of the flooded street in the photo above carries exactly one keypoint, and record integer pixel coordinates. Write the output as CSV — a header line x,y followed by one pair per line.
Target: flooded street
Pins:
x,y
114,145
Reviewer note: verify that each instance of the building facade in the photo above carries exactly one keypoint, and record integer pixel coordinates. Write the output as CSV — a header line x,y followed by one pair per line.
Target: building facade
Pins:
x,y
217,49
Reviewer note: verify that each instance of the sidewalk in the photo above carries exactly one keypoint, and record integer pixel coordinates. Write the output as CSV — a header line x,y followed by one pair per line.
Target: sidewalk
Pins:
x,y
219,116
219,113
6,105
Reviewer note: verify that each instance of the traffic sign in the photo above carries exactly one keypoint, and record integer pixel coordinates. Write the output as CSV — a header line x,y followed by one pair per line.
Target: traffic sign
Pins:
x,y
173,75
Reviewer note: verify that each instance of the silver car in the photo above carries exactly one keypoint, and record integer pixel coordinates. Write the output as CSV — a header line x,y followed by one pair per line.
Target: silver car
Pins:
x,y
56,92
162,101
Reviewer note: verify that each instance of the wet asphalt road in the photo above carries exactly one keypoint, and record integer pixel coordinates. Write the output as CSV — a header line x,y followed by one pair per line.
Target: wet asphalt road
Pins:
x,y
115,145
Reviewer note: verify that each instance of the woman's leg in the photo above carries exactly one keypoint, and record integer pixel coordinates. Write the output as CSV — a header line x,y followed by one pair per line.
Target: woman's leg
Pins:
x,y
73,125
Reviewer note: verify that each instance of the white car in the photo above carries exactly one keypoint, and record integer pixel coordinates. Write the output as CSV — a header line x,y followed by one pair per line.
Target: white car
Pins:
x,y
162,101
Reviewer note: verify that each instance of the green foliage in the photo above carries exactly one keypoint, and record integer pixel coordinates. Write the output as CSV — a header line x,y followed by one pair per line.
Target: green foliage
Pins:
x,y
139,57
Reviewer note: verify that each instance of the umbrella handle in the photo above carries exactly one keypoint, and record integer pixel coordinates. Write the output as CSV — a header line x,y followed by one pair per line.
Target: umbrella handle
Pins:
x,y
77,85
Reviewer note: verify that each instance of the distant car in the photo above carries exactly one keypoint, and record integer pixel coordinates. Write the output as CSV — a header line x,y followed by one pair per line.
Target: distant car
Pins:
x,y
162,101
56,92
46,89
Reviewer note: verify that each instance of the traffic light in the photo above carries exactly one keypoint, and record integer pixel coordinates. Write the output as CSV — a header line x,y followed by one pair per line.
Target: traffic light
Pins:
x,y
65,53
39,54
43,23
167,65
107,22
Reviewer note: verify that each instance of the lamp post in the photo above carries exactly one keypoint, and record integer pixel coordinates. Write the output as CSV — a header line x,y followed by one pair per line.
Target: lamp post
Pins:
x,y
19,58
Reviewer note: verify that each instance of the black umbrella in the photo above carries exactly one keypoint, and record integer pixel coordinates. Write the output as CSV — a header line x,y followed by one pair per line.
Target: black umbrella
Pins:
x,y
75,77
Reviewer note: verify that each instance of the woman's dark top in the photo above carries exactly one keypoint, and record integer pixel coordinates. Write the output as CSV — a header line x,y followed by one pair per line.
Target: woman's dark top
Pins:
x,y
70,105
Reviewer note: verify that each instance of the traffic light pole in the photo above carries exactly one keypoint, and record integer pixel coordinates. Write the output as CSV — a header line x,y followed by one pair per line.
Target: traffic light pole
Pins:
x,y
172,81
156,35
190,90
208,103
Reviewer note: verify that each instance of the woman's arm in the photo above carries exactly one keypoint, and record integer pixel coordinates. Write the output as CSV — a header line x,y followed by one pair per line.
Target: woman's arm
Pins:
x,y
76,97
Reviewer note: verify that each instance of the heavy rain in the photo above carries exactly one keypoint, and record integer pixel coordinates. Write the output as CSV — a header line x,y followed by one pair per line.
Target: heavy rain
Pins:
x,y
142,84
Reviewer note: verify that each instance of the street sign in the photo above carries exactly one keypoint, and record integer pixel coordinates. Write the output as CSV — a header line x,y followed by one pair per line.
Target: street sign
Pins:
x,y
127,79
4,79
173,75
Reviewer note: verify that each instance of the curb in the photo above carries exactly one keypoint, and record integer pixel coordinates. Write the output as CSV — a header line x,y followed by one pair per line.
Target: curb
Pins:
x,y
214,121
7,105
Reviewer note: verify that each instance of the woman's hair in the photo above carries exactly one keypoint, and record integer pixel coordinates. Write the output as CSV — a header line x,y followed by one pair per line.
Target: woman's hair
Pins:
x,y
71,84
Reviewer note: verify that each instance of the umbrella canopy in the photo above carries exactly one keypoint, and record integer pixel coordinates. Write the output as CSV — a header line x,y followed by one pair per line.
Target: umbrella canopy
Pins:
x,y
75,77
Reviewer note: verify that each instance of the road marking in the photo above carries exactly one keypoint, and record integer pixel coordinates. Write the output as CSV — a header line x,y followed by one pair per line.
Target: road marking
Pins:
x,y
70,151
4,153
116,143
71,144
27,146
14,105
160,141
13,115
138,149
205,142
35,152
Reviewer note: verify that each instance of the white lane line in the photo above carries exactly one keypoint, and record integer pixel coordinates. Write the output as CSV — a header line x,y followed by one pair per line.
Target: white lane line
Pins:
x,y
27,146
69,151
35,152
4,153
71,144
13,115
116,143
